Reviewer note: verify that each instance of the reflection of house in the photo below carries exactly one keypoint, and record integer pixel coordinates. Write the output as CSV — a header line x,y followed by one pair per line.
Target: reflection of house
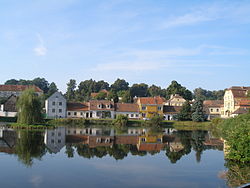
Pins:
x,y
127,109
212,108
150,143
176,146
8,109
86,131
95,141
149,106
55,106
136,131
8,140
175,100
8,90
171,111
235,101
55,139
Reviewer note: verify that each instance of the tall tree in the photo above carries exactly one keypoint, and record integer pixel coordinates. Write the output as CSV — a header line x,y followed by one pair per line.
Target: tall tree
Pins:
x,y
29,108
198,114
185,112
154,91
11,82
139,90
120,85
176,88
126,97
52,89
113,96
70,94
41,83
204,94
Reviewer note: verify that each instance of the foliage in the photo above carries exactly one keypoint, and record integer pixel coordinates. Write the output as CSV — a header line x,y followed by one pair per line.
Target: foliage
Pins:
x,y
112,96
70,94
203,94
120,85
185,112
52,89
121,120
236,132
126,97
29,108
101,96
176,88
3,100
238,173
42,83
154,91
139,90
155,121
197,109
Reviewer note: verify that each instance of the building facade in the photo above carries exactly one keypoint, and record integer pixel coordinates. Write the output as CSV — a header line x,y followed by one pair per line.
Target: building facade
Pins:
x,y
213,108
16,90
55,106
8,108
127,109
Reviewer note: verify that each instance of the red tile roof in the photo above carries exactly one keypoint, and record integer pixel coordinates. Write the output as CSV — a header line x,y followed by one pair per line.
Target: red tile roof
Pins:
x,y
213,103
19,88
93,105
239,92
126,107
150,146
151,100
77,106
102,91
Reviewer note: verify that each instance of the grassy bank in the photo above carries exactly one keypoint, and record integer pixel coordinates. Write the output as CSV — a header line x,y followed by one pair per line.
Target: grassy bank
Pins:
x,y
25,126
188,125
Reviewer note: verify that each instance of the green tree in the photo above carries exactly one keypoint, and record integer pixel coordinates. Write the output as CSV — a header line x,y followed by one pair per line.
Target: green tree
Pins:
x,y
176,88
52,89
11,82
185,112
120,85
139,90
42,83
121,120
29,107
203,94
156,120
112,96
154,91
70,94
126,97
101,96
197,109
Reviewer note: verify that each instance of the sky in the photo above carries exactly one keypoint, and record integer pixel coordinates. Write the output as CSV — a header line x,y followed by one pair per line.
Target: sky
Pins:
x,y
197,43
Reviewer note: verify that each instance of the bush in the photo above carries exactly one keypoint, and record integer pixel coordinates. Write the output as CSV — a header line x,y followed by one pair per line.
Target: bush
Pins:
x,y
155,121
121,120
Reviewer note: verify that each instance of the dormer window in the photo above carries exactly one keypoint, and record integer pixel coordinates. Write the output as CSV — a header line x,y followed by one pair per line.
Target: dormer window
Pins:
x,y
99,106
108,106
143,107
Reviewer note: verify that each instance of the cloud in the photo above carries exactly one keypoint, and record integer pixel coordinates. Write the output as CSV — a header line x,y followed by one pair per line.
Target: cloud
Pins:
x,y
36,180
40,49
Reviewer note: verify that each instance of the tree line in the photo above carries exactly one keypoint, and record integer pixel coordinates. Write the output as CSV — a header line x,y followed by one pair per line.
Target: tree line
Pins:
x,y
119,89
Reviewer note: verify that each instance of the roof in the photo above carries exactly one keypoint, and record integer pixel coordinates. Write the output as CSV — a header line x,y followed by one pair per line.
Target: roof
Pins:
x,y
243,102
19,88
239,91
77,106
151,100
104,105
171,109
213,103
150,146
126,107
101,91
241,111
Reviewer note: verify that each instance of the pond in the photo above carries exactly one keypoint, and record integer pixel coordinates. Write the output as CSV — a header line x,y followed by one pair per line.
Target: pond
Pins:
x,y
102,157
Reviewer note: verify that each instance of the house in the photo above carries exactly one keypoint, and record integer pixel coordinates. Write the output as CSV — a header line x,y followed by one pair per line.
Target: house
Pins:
x,y
55,139
102,109
149,106
150,143
212,108
55,106
16,90
128,109
235,101
171,111
8,108
175,100
78,110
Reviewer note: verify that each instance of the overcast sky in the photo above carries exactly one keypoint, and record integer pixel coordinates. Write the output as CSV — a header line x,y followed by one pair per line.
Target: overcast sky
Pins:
x,y
198,43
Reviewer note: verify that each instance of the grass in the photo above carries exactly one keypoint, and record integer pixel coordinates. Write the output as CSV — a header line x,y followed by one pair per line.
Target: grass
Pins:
x,y
25,126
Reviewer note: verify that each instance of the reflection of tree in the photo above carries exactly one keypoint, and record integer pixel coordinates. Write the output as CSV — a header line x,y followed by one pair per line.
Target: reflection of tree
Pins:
x,y
237,174
30,145
198,137
69,150
174,156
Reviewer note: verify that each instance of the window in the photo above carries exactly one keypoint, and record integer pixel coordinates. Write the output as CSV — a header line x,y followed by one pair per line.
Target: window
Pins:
x,y
211,110
59,141
52,141
136,115
98,140
108,106
143,115
75,113
59,134
69,113
53,103
52,134
60,110
81,113
99,106
217,110
159,107
143,107
132,115
143,139
53,110
60,103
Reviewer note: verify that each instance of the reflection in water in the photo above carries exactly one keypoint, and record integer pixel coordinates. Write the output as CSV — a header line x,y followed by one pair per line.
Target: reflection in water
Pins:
x,y
99,142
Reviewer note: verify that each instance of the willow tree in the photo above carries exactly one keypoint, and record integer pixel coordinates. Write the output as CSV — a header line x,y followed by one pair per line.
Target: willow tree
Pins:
x,y
29,107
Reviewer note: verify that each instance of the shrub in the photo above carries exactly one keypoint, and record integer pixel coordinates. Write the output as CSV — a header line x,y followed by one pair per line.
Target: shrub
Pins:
x,y
121,120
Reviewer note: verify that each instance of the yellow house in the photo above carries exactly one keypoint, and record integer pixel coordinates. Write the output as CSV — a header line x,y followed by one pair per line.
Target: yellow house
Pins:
x,y
149,106
235,101
150,143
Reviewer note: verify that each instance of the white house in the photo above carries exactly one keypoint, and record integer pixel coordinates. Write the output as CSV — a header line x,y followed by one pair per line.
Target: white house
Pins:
x,y
56,106
127,109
